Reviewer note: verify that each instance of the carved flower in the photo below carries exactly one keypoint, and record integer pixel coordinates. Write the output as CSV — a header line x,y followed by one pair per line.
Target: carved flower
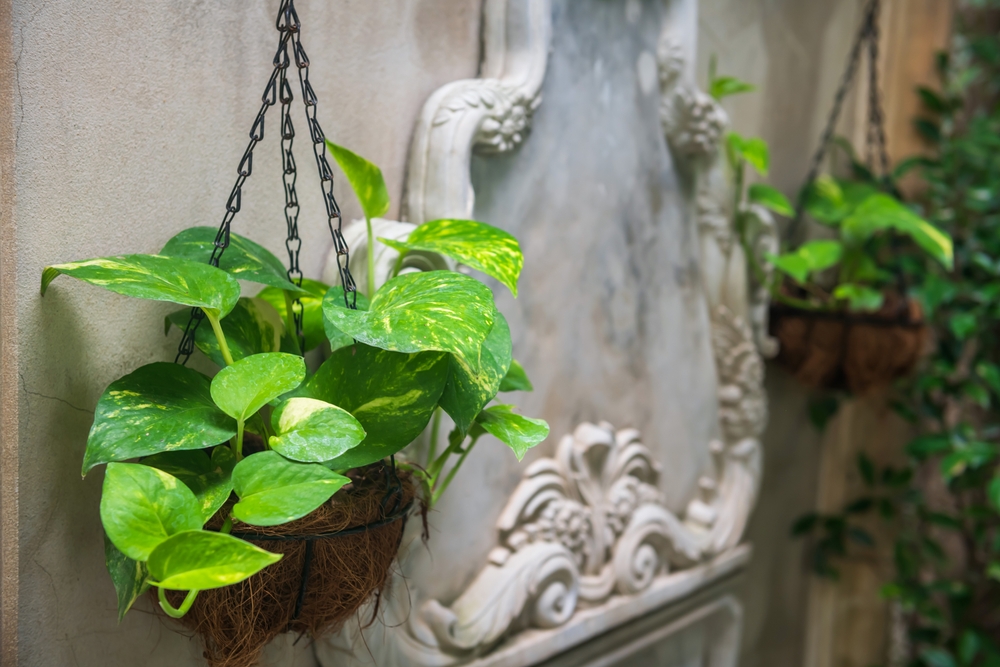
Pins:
x,y
693,122
566,522
506,127
742,404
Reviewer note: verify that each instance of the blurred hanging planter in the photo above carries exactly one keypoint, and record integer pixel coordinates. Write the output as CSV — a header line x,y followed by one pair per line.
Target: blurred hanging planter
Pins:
x,y
841,313
267,499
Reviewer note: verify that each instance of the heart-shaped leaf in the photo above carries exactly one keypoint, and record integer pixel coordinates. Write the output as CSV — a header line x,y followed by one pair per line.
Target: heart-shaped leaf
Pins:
x,y
338,338
312,309
142,506
753,150
243,259
477,245
859,297
210,479
159,407
880,211
770,198
433,310
200,560
393,395
154,277
516,378
365,179
516,431
251,328
251,383
468,391
313,431
274,490
130,577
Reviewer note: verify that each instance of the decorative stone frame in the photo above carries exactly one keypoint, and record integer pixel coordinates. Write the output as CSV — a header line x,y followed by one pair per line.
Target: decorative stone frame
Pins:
x,y
585,542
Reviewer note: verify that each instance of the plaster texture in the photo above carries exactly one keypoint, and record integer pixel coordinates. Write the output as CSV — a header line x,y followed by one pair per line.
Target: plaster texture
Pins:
x,y
128,120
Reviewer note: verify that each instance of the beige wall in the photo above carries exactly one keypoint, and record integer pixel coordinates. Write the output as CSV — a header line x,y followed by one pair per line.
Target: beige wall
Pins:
x,y
128,119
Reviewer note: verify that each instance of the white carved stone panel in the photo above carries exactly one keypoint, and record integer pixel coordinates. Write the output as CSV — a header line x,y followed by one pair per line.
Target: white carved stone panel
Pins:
x,y
588,140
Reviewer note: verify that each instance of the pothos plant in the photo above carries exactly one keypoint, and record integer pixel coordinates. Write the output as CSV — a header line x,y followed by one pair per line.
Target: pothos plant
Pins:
x,y
175,441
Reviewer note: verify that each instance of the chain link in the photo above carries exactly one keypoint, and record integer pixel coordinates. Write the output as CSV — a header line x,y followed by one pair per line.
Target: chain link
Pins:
x,y
279,89
867,34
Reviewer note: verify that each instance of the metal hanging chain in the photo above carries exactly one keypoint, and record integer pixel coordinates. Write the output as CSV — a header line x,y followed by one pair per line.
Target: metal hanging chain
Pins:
x,y
288,25
868,33
334,219
875,134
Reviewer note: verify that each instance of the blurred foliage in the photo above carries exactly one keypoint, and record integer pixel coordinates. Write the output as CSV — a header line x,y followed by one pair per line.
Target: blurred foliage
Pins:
x,y
941,509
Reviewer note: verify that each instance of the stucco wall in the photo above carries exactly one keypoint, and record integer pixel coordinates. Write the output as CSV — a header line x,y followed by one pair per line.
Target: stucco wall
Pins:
x,y
128,120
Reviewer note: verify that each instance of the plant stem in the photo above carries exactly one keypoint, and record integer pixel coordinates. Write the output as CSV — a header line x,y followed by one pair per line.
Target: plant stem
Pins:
x,y
227,525
239,439
290,321
221,337
435,432
172,611
451,473
371,259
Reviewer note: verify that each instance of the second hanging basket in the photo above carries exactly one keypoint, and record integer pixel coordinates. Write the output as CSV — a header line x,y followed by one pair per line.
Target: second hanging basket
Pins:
x,y
853,351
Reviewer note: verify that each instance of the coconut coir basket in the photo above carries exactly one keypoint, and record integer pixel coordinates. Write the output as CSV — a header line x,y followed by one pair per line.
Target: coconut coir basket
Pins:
x,y
334,559
853,351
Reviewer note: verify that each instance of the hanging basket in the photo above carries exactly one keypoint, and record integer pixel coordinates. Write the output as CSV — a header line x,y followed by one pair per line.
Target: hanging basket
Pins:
x,y
841,350
334,560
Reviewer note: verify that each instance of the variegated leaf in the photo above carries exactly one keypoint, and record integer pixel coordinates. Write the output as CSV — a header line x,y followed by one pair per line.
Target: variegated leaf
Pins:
x,y
477,245
142,506
248,385
516,431
243,259
338,338
468,391
157,278
274,490
313,431
159,407
130,577
393,395
434,310
516,378
201,560
365,179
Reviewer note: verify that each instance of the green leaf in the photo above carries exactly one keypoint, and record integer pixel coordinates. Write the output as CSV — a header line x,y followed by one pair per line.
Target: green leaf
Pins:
x,y
993,493
274,490
313,431
159,407
312,309
338,338
516,431
468,391
859,297
516,378
201,560
475,244
866,468
937,657
972,455
962,324
142,506
243,259
791,264
154,277
968,647
928,445
753,150
993,571
825,201
821,254
805,524
771,198
209,478
251,327
365,179
724,86
433,310
393,395
251,383
129,576
881,212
